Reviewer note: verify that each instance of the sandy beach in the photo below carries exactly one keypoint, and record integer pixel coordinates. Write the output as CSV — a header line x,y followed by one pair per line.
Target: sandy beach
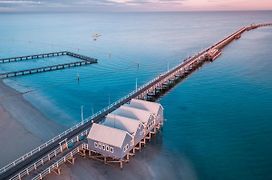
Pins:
x,y
22,126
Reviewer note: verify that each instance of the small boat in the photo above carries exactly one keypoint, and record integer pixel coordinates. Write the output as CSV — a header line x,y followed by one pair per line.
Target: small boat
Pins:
x,y
96,36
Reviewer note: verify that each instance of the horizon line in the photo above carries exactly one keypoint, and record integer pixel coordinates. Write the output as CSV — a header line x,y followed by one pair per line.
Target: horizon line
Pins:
x,y
155,11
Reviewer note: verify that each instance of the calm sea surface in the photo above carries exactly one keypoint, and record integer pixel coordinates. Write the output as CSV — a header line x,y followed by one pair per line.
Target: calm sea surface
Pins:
x,y
219,120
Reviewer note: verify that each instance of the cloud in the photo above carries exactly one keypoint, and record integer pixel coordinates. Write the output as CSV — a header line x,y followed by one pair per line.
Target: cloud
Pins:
x,y
14,5
19,2
131,5
85,5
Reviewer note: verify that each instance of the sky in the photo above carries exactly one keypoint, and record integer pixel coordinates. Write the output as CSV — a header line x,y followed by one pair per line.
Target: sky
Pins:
x,y
131,5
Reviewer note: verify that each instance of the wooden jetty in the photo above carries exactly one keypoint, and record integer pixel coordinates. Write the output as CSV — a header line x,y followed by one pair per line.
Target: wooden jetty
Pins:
x,y
67,141
46,55
44,69
84,60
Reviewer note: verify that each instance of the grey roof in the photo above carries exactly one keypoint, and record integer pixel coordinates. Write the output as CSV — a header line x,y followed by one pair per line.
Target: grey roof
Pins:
x,y
121,122
145,105
133,113
107,135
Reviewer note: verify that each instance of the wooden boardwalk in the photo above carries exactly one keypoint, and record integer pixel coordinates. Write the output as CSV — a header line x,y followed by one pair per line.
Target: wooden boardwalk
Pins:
x,y
28,164
30,57
84,60
46,55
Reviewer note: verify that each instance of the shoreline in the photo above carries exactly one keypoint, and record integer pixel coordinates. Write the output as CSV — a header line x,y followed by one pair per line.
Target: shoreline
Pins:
x,y
22,126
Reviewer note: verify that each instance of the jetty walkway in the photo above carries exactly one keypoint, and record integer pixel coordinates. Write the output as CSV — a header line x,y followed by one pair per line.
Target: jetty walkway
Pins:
x,y
49,156
84,60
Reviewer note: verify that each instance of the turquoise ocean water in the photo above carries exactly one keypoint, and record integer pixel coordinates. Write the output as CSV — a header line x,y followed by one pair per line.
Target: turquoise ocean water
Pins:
x,y
219,119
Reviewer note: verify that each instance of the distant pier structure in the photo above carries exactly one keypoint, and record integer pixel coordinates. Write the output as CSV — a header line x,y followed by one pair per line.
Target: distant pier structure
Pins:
x,y
83,60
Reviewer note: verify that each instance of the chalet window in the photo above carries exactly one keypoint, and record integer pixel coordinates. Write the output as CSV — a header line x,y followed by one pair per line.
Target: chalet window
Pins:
x,y
99,145
107,148
103,147
95,145
127,146
111,149
124,149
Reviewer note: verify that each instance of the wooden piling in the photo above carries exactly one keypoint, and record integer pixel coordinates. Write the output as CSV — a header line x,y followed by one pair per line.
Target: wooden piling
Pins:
x,y
71,160
57,171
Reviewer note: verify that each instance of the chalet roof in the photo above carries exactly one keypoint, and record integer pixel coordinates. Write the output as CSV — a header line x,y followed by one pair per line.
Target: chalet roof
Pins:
x,y
121,122
107,135
133,113
145,105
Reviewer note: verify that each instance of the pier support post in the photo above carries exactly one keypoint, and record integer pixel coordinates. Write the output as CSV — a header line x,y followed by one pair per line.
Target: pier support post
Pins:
x,y
127,157
57,171
82,152
105,160
71,160
90,153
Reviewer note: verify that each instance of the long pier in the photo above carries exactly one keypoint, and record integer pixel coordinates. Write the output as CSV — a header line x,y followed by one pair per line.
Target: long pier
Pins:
x,y
49,156
84,60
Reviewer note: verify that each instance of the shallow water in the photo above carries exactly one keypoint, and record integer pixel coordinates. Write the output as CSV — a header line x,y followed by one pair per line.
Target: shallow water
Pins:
x,y
219,119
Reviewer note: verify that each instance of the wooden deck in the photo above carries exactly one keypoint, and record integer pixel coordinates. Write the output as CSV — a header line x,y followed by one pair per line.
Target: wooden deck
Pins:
x,y
46,55
84,60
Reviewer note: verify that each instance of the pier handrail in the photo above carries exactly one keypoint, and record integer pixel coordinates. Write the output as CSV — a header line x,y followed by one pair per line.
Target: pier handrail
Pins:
x,y
46,55
44,67
2,60
160,77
